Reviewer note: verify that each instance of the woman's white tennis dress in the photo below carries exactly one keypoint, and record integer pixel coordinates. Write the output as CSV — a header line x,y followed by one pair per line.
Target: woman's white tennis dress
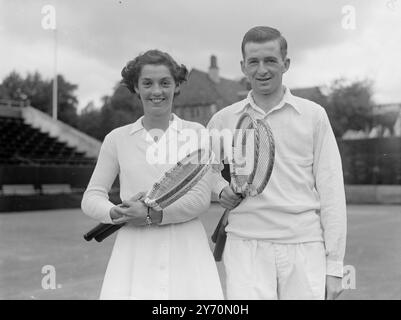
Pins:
x,y
170,261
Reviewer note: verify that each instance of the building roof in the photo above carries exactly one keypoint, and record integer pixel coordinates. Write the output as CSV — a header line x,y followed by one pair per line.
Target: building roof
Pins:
x,y
201,90
311,93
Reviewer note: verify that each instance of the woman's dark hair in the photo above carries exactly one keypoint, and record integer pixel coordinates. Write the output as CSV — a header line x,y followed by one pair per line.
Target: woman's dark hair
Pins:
x,y
132,70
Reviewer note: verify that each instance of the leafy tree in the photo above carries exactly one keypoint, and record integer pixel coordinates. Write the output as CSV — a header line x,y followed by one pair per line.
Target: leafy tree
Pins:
x,y
349,105
39,92
90,121
117,110
67,101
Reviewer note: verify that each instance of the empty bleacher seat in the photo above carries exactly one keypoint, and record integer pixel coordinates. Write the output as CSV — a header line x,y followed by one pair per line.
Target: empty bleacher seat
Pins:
x,y
56,188
22,144
18,189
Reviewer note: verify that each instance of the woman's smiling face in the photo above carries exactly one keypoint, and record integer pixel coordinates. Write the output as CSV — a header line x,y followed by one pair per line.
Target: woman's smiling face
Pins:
x,y
156,88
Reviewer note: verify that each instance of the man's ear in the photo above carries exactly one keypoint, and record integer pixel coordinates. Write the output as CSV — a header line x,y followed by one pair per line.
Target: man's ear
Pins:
x,y
136,90
287,63
242,63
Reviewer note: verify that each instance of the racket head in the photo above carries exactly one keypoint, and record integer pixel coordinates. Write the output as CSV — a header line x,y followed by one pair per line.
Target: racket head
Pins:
x,y
266,155
179,179
243,169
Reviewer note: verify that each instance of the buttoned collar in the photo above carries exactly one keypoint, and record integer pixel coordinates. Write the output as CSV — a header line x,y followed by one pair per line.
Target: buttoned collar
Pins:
x,y
288,99
175,124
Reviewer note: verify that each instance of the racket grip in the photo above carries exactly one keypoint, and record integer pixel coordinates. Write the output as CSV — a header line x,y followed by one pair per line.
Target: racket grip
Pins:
x,y
109,231
220,243
216,231
220,236
101,227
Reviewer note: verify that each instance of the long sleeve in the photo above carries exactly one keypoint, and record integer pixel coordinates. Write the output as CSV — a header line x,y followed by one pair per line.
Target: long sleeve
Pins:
x,y
191,205
327,170
95,202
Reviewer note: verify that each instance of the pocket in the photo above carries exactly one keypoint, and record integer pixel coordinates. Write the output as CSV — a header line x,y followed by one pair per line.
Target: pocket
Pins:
x,y
315,267
238,257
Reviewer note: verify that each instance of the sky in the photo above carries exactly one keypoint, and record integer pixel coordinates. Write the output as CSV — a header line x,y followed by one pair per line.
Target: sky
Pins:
x,y
327,39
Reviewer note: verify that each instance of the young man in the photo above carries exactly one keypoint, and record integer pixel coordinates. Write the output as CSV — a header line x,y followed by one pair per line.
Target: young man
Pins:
x,y
289,241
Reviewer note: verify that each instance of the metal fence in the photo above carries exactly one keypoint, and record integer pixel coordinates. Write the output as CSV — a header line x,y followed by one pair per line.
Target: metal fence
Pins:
x,y
371,161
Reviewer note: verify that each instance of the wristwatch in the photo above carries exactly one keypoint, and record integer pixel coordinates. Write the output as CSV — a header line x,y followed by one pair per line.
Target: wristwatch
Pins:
x,y
148,220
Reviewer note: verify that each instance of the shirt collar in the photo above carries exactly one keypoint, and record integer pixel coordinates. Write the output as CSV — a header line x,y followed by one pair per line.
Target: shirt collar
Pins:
x,y
288,99
175,124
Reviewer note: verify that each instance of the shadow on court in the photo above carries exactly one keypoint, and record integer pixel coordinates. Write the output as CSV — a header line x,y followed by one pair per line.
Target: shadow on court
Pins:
x,y
34,243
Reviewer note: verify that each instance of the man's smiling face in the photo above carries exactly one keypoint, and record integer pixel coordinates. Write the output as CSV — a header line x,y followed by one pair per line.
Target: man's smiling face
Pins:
x,y
264,66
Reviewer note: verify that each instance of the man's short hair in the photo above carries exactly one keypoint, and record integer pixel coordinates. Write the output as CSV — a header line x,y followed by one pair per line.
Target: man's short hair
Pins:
x,y
262,34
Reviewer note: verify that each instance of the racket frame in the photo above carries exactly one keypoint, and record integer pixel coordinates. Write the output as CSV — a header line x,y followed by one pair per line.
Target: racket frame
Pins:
x,y
103,230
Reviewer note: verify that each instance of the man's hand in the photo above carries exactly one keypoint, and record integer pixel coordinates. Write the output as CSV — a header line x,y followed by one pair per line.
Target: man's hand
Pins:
x,y
334,287
228,199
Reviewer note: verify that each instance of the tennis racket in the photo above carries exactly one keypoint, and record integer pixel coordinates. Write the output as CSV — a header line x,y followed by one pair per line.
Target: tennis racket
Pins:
x,y
174,183
251,182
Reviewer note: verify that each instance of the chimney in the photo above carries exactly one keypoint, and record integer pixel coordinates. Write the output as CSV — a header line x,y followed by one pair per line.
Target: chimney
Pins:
x,y
214,70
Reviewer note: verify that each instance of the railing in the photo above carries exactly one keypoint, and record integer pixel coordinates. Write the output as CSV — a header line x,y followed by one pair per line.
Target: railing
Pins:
x,y
371,161
14,103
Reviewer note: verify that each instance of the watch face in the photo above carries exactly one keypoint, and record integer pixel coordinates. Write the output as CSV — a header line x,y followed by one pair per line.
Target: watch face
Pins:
x,y
148,220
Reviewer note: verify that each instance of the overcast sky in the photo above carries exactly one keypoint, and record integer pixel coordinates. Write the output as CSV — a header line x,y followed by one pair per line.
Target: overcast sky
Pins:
x,y
97,37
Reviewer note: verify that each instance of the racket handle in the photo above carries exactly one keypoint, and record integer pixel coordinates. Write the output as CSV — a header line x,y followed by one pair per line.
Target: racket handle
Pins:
x,y
220,236
220,243
101,227
224,217
109,231
216,231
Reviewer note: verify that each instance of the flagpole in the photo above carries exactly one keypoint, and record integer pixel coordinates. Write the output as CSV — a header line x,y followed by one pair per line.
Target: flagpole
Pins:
x,y
54,113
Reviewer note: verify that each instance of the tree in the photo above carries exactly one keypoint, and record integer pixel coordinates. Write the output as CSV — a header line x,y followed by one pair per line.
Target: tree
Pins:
x,y
89,121
117,110
39,92
67,101
350,105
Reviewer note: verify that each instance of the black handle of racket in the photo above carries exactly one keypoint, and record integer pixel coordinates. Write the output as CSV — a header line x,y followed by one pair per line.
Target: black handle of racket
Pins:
x,y
216,231
114,227
220,236
101,231
101,227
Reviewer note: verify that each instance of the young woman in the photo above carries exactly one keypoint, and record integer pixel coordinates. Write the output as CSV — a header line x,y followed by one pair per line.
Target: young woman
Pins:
x,y
170,258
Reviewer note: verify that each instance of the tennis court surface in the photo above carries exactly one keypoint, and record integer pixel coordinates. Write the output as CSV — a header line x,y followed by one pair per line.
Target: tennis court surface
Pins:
x,y
34,244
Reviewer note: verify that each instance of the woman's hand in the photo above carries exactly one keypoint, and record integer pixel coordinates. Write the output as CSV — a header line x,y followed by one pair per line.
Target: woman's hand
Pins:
x,y
132,210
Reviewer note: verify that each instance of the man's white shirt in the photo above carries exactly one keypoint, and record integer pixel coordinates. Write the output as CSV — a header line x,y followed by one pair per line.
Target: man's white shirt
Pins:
x,y
304,200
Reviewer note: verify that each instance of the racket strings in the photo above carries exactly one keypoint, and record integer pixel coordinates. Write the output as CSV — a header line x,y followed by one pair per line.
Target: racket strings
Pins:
x,y
178,180
243,162
265,157
182,188
171,179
